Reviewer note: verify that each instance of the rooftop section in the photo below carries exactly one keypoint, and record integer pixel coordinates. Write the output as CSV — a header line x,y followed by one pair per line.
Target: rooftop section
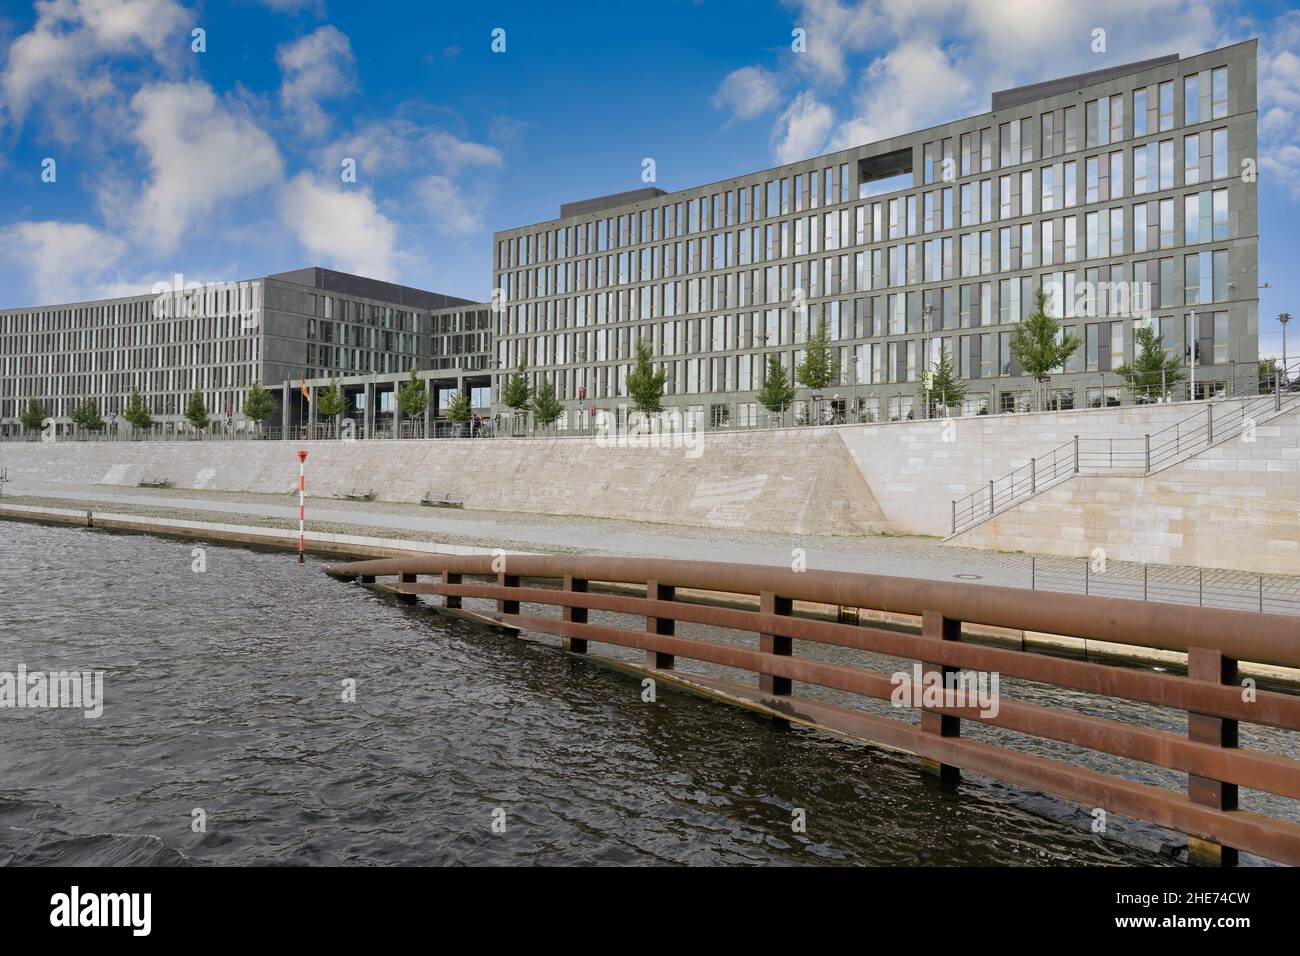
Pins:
x,y
605,202
345,283
1034,91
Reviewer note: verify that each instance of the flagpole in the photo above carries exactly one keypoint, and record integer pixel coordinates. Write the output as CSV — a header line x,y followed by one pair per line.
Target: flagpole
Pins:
x,y
302,487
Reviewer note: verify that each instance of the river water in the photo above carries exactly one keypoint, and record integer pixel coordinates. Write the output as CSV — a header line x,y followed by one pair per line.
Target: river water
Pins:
x,y
223,706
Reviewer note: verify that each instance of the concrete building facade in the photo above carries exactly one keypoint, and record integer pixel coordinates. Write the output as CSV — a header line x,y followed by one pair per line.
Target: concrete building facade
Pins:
x,y
280,330
1127,194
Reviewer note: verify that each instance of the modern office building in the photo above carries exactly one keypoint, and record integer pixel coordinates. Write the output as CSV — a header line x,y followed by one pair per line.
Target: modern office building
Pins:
x,y
280,330
1126,193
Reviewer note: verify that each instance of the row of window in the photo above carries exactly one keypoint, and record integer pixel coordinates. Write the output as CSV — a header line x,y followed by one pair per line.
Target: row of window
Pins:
x,y
1205,99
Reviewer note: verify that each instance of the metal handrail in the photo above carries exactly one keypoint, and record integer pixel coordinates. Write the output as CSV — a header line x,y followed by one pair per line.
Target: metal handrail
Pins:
x,y
1214,640
1152,452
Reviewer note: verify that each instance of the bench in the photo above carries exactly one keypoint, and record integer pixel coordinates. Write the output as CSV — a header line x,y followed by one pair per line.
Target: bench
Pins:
x,y
154,481
356,494
444,500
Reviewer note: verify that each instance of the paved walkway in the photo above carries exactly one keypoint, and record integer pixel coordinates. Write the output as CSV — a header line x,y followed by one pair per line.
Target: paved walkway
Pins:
x,y
924,558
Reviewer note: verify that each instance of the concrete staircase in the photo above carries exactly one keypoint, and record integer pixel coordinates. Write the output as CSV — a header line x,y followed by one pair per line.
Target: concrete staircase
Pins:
x,y
1121,455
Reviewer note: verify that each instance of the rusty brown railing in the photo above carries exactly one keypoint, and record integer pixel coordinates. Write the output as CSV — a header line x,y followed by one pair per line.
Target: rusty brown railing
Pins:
x,y
1213,639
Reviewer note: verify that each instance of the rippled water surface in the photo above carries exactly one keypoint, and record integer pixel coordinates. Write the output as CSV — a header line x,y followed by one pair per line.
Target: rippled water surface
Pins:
x,y
223,694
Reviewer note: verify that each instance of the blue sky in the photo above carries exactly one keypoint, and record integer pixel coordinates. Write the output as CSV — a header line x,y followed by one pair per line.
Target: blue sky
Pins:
x,y
225,164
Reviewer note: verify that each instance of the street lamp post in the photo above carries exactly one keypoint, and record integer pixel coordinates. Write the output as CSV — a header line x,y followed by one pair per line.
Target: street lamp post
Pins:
x,y
1284,318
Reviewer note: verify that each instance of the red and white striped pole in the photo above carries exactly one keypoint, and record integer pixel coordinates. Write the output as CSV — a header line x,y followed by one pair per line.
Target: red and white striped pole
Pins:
x,y
302,488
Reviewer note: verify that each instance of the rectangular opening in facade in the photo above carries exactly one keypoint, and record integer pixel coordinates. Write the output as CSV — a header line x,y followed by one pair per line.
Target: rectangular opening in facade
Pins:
x,y
885,173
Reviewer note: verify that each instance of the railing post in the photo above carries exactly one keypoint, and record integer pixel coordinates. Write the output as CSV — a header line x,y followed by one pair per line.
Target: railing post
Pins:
x,y
451,600
409,577
575,615
990,497
1076,454
1277,391
1148,438
934,626
655,591
954,516
1033,476
1210,665
769,603
1209,425
505,606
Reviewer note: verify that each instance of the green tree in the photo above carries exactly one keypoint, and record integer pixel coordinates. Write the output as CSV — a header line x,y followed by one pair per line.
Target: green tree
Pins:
x,y
86,415
645,386
777,394
518,395
1144,375
331,402
196,412
32,416
945,387
1039,345
258,404
815,370
1270,371
137,413
458,409
546,407
412,398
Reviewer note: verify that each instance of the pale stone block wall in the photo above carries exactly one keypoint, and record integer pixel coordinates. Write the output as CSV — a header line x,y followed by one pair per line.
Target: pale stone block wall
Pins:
x,y
916,469
1236,506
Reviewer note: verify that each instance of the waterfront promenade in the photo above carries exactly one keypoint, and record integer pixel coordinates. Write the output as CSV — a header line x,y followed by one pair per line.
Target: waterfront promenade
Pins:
x,y
907,556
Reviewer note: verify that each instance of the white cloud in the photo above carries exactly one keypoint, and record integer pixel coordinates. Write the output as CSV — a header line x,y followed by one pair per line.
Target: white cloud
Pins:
x,y
399,144
802,128
61,61
447,206
1279,102
201,154
931,61
747,92
315,67
902,91
345,230
60,261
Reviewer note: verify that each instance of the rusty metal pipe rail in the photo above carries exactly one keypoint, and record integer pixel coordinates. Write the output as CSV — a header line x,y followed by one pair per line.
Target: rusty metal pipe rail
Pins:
x,y
1270,708
1242,635
1213,638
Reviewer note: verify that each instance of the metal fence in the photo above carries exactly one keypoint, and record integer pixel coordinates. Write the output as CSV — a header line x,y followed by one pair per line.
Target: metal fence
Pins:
x,y
1145,454
554,595
841,405
1166,584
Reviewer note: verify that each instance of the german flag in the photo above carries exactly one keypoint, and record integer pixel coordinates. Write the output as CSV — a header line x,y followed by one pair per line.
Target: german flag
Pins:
x,y
306,391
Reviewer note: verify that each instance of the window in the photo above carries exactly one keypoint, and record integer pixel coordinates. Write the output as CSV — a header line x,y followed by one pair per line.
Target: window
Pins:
x,y
1221,351
1116,175
1219,83
1071,128
1191,159
1167,164
1166,105
1144,169
1220,151
1191,100
1139,112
